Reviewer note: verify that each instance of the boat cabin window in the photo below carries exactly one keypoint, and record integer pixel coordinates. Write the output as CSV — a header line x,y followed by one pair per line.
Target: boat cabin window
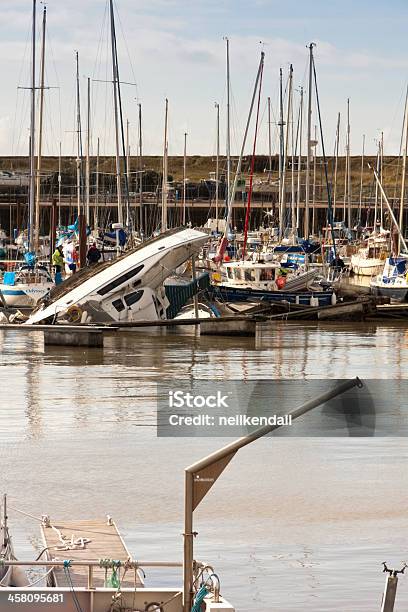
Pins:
x,y
119,280
230,273
249,275
132,298
118,305
267,274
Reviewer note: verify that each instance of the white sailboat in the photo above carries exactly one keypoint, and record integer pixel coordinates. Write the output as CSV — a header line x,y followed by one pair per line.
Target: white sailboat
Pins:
x,y
31,282
369,260
129,288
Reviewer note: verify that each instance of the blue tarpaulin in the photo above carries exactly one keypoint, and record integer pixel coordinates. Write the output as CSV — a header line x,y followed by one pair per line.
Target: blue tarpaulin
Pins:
x,y
9,278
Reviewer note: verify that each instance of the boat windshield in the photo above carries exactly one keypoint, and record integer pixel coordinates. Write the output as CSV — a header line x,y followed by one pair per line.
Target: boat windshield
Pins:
x,y
267,274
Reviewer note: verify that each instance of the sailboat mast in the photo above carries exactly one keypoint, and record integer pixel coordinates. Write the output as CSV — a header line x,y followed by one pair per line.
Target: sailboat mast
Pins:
x,y
228,151
164,179
336,163
96,213
403,178
32,136
223,244
184,177
300,157
36,232
88,146
348,167
79,138
381,179
293,170
281,152
314,182
217,164
115,104
269,140
309,148
59,184
128,152
376,189
285,152
360,205
140,172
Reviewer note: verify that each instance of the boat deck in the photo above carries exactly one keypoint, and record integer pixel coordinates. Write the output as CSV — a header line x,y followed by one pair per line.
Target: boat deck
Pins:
x,y
102,540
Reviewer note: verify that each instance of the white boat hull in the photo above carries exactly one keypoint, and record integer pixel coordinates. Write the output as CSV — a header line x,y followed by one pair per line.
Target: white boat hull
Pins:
x,y
127,289
24,295
366,267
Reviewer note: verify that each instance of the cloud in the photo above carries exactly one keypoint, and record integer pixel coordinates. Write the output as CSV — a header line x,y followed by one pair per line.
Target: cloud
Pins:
x,y
174,48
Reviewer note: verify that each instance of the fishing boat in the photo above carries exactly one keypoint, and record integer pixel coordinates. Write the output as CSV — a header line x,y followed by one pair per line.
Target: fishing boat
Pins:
x,y
269,281
392,282
128,288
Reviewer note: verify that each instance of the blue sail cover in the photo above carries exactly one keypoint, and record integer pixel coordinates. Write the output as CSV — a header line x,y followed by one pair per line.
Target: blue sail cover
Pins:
x,y
122,236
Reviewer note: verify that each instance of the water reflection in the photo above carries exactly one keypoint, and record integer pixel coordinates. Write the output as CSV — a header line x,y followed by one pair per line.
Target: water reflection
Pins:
x,y
289,525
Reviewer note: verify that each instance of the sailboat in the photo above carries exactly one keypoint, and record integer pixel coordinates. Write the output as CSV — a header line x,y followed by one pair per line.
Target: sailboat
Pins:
x,y
32,281
128,288
392,282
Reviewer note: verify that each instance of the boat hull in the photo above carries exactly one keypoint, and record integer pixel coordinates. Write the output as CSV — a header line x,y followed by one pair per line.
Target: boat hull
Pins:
x,y
253,295
24,295
366,267
395,293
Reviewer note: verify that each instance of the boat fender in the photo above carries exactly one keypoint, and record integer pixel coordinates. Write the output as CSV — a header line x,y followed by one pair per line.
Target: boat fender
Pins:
x,y
84,317
281,282
333,299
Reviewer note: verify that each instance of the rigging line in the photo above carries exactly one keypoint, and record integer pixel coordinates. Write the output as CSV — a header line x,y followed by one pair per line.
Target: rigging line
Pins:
x,y
328,186
252,165
50,46
128,53
100,43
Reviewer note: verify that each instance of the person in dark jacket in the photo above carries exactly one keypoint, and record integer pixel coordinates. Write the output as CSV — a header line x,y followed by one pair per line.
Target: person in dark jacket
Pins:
x,y
93,255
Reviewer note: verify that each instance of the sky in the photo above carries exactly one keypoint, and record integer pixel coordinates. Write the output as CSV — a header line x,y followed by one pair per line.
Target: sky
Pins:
x,y
175,49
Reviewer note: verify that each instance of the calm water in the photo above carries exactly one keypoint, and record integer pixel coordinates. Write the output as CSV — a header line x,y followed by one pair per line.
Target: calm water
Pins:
x,y
296,524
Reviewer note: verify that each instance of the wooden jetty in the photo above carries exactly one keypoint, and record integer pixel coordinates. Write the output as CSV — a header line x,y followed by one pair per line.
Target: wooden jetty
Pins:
x,y
90,540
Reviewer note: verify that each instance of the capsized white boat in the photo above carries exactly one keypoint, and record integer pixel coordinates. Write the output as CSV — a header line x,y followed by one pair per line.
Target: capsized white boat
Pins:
x,y
127,289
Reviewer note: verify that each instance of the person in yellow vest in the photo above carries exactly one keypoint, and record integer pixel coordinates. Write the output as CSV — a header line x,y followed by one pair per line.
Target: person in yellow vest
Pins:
x,y
58,262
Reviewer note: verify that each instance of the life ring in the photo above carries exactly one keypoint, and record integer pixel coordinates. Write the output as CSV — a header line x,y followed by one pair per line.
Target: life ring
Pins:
x,y
74,314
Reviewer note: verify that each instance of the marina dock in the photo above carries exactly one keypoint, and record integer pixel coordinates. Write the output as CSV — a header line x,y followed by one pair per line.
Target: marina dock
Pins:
x,y
90,540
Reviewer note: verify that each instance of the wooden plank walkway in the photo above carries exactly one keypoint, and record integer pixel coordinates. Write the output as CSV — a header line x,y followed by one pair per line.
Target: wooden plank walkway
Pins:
x,y
105,542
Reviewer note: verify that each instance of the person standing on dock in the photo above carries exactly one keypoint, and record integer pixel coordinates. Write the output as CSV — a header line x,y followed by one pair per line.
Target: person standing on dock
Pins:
x,y
58,262
93,255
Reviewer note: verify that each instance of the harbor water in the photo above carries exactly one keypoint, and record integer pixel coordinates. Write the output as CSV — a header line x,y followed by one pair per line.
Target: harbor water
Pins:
x,y
293,524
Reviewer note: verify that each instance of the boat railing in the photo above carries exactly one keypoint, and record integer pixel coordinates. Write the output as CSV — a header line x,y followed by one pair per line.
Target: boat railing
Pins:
x,y
129,564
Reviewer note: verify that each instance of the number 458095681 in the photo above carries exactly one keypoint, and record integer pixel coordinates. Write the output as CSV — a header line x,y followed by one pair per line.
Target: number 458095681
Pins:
x,y
29,598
